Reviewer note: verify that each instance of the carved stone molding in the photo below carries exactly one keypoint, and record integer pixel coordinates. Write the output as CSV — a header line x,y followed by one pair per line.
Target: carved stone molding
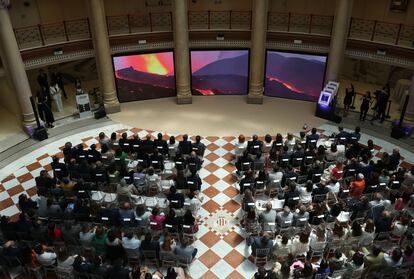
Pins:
x,y
313,48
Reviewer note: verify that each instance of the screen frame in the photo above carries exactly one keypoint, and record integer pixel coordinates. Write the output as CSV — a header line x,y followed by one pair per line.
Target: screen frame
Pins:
x,y
221,49
140,52
294,52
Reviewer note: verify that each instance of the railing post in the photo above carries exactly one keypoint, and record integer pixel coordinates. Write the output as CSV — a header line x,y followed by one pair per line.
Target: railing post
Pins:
x,y
129,24
208,20
41,34
171,21
251,20
66,31
310,24
150,21
89,28
373,30
398,34
288,27
349,29
107,24
268,22
230,20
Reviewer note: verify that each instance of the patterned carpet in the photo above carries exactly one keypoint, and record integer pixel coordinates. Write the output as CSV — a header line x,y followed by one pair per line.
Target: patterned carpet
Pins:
x,y
222,250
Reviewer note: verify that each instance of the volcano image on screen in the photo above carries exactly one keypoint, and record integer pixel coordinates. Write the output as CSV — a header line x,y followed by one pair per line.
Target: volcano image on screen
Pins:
x,y
219,72
145,76
294,75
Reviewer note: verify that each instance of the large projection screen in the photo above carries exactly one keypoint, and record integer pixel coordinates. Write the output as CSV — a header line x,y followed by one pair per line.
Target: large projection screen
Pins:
x,y
144,76
296,76
219,72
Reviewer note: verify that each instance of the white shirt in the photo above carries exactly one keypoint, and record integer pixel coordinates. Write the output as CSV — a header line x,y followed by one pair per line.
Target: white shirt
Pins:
x,y
47,258
316,244
299,248
334,188
304,195
132,243
239,148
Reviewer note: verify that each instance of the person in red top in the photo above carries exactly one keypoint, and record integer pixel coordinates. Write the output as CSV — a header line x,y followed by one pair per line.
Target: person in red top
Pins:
x,y
338,170
54,233
357,186
156,220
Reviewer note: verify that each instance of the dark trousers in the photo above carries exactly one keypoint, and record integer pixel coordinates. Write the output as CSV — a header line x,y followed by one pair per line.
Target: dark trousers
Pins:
x,y
363,114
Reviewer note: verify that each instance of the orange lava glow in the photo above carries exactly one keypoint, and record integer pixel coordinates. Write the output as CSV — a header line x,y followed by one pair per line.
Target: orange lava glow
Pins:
x,y
287,85
205,92
154,66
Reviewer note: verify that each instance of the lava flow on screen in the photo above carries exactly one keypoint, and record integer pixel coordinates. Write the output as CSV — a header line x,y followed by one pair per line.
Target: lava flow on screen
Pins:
x,y
219,72
294,75
145,76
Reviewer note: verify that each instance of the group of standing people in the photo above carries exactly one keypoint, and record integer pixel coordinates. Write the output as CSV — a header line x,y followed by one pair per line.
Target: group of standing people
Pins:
x,y
50,93
381,98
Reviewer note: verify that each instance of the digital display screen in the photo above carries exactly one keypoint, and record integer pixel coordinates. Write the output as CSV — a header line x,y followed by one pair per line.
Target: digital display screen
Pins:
x,y
219,72
145,76
294,75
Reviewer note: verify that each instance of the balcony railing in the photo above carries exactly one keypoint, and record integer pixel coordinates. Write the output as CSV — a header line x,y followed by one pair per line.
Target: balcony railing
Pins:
x,y
320,25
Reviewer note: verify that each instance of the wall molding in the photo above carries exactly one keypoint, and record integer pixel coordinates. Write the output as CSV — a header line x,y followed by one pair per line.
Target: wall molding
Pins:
x,y
282,45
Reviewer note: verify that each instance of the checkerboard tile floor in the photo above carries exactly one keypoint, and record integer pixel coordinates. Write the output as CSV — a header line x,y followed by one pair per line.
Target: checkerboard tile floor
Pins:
x,y
222,250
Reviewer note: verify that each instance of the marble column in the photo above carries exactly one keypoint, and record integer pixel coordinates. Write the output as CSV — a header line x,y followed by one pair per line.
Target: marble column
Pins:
x,y
181,52
14,67
409,113
103,57
258,51
339,38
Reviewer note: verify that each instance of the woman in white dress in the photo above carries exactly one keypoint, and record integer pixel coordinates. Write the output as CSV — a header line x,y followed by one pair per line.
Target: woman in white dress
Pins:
x,y
56,94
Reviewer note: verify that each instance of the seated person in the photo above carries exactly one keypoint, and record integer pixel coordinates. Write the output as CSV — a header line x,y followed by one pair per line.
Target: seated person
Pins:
x,y
268,216
185,146
357,187
176,199
263,242
284,218
148,244
156,160
198,147
147,145
193,162
185,252
59,169
161,145
172,222
247,182
373,257
45,256
124,191
262,273
244,162
255,145
157,220
393,259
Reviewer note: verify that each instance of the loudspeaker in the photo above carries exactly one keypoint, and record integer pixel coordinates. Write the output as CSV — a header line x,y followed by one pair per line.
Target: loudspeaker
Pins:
x,y
397,132
40,133
100,113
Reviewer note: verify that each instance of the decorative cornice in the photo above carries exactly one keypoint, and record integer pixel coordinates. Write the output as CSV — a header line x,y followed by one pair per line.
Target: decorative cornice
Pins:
x,y
313,48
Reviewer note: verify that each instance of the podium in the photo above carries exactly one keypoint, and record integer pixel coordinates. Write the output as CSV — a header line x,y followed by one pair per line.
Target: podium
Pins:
x,y
325,107
84,105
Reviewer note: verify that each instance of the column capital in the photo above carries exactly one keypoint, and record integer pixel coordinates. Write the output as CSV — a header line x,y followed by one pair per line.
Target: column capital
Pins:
x,y
4,4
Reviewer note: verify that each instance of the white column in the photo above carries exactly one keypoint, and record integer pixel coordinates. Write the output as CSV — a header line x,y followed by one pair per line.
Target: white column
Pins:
x,y
258,51
14,66
338,39
409,113
181,52
99,31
